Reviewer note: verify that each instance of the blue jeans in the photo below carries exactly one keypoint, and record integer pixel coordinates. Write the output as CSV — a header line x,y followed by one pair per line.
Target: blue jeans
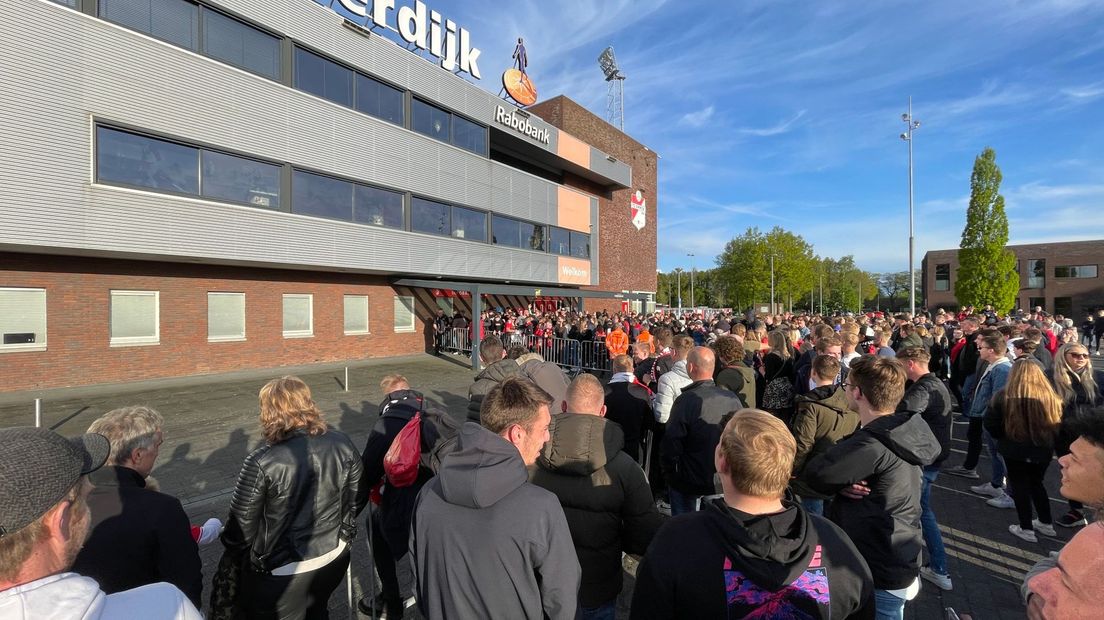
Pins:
x,y
932,538
602,612
888,606
682,503
813,506
996,461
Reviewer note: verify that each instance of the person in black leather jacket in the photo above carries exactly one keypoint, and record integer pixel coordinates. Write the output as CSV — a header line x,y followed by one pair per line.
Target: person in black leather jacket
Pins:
x,y
294,509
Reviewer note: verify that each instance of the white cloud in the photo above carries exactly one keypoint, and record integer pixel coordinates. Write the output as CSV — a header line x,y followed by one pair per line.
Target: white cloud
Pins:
x,y
779,128
697,119
1087,91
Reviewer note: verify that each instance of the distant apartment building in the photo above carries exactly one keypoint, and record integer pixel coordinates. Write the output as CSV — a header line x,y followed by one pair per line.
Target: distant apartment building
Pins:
x,y
1063,278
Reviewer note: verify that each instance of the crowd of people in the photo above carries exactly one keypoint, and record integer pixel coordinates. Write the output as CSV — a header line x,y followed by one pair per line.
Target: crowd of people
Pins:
x,y
761,466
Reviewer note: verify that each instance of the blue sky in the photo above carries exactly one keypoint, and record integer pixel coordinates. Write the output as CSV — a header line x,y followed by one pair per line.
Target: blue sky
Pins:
x,y
788,113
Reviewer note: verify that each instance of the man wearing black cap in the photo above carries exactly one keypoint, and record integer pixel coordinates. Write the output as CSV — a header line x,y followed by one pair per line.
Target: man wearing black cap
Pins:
x,y
44,520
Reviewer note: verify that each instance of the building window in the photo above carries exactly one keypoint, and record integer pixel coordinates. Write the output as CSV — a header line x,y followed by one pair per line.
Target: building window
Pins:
x,y
404,313
140,161
380,100
1074,271
175,21
69,3
468,135
507,231
561,241
1036,273
534,236
943,277
239,179
356,314
430,217
1063,306
377,207
135,318
469,224
430,120
22,319
580,245
298,316
325,78
1036,302
225,317
241,45
321,196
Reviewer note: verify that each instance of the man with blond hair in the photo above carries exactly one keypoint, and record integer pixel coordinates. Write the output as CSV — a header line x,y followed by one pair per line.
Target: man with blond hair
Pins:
x,y
752,547
138,536
884,457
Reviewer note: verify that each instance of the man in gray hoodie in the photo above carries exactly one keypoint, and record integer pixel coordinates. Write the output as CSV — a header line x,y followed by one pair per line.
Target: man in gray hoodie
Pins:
x,y
485,542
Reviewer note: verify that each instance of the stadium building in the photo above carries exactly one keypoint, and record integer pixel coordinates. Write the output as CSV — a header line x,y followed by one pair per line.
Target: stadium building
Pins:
x,y
192,187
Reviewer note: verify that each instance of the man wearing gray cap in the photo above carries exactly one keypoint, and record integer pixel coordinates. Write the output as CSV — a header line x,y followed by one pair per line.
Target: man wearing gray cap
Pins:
x,y
44,520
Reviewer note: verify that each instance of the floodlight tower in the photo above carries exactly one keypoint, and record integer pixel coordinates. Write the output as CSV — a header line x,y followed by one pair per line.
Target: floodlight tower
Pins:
x,y
911,125
615,95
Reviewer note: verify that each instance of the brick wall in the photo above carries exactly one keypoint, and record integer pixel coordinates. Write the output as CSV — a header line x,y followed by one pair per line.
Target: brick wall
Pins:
x,y
627,256
78,320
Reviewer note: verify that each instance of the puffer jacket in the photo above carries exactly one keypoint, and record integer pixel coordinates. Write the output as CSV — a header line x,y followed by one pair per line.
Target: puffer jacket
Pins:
x,y
485,381
885,526
268,514
821,418
605,497
671,384
930,398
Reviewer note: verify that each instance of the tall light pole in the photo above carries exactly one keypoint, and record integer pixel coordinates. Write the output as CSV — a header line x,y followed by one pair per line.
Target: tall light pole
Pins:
x,y
692,304
772,283
678,273
911,124
822,294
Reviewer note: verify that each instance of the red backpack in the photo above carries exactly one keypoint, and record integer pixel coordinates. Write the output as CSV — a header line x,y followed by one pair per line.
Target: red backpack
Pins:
x,y
418,444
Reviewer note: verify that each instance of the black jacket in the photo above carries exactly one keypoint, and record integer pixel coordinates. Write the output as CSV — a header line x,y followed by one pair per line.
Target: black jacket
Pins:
x,y
296,499
739,379
692,433
605,497
723,563
1026,450
966,362
930,398
485,381
630,406
138,537
885,525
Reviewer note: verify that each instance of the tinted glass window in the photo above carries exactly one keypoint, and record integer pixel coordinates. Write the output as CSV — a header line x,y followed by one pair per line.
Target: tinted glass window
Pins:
x,y
324,78
506,231
314,194
378,99
580,245
534,236
68,3
238,179
468,135
146,162
239,44
431,121
429,217
377,207
468,224
561,241
175,21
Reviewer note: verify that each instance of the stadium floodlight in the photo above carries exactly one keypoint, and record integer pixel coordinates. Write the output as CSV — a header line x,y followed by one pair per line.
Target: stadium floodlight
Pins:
x,y
615,94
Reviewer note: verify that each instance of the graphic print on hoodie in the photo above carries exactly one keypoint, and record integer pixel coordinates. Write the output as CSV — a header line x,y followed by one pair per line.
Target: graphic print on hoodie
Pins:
x,y
806,597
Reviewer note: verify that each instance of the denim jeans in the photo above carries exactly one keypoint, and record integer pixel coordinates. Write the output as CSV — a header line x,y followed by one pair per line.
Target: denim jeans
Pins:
x,y
813,506
996,461
932,538
887,606
602,612
682,503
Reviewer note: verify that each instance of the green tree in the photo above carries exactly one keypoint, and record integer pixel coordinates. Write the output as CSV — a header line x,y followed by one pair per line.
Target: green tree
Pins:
x,y
744,267
843,281
987,269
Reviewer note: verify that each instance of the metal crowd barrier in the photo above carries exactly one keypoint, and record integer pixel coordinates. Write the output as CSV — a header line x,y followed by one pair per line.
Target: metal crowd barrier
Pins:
x,y
457,340
564,352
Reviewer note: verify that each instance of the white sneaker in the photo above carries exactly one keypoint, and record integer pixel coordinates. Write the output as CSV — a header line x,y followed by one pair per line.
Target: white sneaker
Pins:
x,y
1003,501
1021,533
1046,529
943,582
987,490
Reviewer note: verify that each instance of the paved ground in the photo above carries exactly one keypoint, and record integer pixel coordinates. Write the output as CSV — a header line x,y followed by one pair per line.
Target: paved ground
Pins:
x,y
211,424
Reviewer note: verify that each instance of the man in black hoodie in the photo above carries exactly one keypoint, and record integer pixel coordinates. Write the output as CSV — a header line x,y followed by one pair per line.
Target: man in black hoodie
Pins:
x,y
752,551
603,491
884,457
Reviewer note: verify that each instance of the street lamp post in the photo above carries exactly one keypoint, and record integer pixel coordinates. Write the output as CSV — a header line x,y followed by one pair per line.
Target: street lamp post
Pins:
x,y
692,304
678,285
772,283
911,125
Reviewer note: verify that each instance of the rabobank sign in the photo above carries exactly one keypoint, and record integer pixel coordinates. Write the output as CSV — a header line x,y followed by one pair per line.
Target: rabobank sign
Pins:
x,y
520,125
423,28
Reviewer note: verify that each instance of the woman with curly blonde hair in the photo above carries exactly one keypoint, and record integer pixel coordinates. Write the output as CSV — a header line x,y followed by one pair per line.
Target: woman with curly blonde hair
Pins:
x,y
1081,389
1023,418
293,513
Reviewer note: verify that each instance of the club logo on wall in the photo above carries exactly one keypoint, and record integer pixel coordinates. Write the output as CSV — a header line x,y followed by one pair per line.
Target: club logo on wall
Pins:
x,y
639,209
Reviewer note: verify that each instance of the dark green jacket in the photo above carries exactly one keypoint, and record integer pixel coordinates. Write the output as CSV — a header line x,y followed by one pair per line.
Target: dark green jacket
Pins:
x,y
821,418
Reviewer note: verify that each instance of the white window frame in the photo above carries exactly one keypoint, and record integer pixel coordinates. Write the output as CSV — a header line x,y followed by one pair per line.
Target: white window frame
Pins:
x,y
308,333
406,329
367,316
28,346
239,338
136,341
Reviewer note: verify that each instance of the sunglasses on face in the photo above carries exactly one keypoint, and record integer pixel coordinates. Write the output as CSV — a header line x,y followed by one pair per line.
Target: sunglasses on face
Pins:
x,y
1079,356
